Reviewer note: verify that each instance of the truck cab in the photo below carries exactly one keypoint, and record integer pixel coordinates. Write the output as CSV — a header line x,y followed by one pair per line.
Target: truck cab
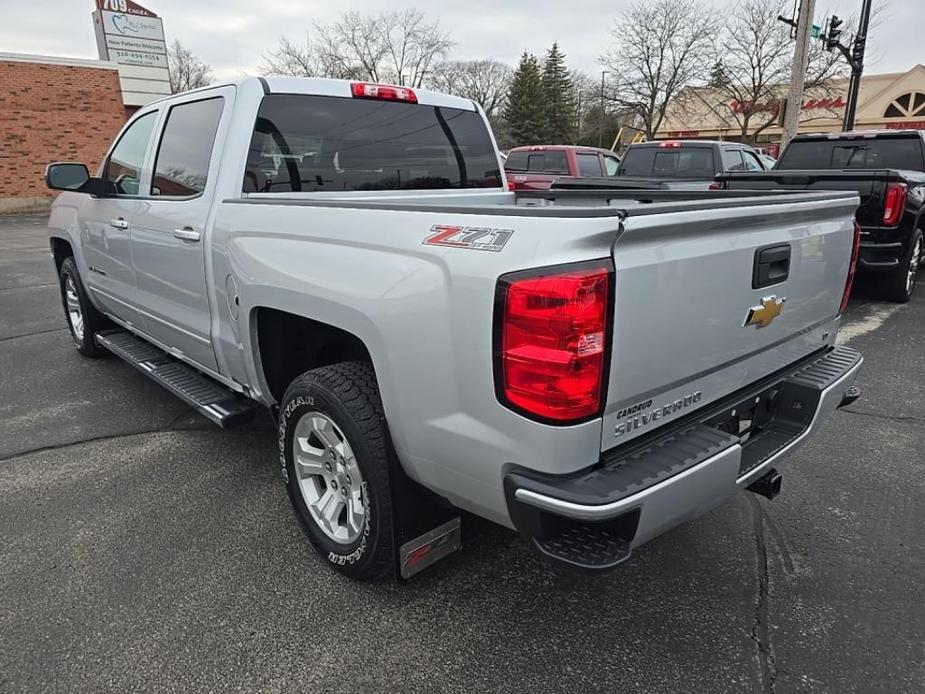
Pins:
x,y
537,167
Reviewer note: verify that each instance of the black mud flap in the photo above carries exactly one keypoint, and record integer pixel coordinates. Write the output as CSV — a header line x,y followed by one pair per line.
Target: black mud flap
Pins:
x,y
427,527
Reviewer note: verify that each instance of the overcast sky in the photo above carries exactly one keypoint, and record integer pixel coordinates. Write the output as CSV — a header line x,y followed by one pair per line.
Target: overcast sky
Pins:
x,y
230,35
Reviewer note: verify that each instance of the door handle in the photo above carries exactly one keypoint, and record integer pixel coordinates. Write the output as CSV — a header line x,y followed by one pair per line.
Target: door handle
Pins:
x,y
772,265
118,223
186,234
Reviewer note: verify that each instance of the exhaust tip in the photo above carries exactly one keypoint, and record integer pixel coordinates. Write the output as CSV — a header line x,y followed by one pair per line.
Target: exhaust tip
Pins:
x,y
768,485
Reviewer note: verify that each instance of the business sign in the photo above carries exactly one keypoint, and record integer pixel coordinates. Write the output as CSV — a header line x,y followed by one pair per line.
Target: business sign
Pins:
x,y
773,105
133,37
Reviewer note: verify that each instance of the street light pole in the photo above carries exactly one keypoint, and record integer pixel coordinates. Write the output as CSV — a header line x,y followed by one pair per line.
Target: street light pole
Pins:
x,y
798,71
600,125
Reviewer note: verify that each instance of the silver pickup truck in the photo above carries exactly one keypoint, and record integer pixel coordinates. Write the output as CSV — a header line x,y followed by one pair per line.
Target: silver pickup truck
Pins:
x,y
589,367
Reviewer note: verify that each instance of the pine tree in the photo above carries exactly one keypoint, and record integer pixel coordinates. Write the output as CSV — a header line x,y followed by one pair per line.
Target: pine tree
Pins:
x,y
559,104
524,114
718,75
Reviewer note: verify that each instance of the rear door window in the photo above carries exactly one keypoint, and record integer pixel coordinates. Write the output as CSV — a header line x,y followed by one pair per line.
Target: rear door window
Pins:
x,y
181,168
611,164
589,164
333,144
732,159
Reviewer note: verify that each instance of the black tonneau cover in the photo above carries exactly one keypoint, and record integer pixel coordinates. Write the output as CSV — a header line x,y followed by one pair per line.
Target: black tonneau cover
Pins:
x,y
870,185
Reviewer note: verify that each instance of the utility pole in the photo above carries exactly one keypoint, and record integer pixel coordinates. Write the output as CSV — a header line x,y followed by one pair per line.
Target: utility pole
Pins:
x,y
600,126
804,23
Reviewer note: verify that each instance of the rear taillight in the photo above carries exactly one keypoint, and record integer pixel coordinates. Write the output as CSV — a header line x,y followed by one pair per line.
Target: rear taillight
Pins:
x,y
386,92
852,267
551,336
895,201
715,185
511,185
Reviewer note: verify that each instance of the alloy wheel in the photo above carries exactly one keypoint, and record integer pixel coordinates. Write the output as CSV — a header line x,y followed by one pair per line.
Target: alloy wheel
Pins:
x,y
74,314
329,478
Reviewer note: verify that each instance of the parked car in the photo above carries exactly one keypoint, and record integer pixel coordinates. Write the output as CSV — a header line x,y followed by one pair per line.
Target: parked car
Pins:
x,y
686,164
590,369
887,169
536,167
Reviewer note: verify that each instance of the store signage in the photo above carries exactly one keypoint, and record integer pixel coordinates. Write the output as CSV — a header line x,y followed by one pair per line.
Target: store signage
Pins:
x,y
133,37
124,6
773,105
906,125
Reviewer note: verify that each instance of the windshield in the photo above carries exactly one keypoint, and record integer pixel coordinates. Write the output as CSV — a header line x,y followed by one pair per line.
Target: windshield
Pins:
x,y
673,162
321,143
861,153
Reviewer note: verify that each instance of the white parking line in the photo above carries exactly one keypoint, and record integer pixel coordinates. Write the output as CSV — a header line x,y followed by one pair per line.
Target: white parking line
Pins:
x,y
870,322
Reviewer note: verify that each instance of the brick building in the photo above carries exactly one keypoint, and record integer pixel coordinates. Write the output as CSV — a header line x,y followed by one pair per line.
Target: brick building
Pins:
x,y
52,109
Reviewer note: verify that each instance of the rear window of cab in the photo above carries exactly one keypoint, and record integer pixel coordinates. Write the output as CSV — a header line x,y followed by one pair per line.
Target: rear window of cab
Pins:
x,y
331,144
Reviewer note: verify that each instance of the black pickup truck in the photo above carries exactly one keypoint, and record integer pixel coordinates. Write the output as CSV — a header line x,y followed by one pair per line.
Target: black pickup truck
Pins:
x,y
887,169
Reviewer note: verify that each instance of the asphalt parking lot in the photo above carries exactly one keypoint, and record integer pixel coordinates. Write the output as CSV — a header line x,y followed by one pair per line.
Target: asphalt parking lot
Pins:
x,y
143,549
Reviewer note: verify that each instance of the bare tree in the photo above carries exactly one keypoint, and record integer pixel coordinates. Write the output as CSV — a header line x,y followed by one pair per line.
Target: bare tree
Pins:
x,y
484,81
398,46
290,59
660,47
186,70
753,59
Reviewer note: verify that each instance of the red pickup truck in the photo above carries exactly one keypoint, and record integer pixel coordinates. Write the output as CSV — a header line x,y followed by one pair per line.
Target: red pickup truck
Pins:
x,y
536,167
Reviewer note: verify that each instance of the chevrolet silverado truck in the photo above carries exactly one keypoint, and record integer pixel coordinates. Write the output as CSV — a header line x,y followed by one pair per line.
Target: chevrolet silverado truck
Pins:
x,y
588,367
887,170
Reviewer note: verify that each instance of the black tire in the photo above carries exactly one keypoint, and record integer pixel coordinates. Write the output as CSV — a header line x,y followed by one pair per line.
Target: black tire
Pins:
x,y
346,393
93,320
895,285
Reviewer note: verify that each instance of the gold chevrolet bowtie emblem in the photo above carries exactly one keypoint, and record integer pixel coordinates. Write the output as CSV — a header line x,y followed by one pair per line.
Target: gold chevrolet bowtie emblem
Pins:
x,y
762,315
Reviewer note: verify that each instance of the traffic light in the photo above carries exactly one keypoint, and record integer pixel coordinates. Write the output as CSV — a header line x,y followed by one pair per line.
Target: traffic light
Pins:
x,y
857,50
832,36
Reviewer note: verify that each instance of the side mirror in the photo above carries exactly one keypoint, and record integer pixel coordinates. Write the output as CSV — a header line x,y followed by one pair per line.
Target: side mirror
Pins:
x,y
74,177
66,176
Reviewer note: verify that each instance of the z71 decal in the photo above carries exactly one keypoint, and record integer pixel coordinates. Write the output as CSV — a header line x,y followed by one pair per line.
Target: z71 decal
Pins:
x,y
473,238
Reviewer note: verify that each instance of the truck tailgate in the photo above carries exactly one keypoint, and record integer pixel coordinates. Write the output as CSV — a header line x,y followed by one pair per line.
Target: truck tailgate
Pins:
x,y
684,295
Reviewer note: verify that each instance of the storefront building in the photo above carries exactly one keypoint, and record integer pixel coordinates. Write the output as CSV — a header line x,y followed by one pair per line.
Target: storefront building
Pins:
x,y
886,101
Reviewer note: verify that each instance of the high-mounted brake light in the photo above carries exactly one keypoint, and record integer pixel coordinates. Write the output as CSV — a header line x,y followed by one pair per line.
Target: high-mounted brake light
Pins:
x,y
551,337
852,268
386,92
895,201
671,143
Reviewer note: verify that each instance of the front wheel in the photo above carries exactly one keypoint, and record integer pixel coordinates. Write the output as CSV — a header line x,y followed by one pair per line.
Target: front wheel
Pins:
x,y
83,320
334,454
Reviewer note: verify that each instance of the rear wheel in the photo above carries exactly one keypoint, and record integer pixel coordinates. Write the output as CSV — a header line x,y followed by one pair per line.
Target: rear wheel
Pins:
x,y
334,453
900,283
83,320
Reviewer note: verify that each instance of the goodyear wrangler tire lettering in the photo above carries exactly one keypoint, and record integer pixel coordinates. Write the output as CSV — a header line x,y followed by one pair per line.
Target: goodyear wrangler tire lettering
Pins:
x,y
340,468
